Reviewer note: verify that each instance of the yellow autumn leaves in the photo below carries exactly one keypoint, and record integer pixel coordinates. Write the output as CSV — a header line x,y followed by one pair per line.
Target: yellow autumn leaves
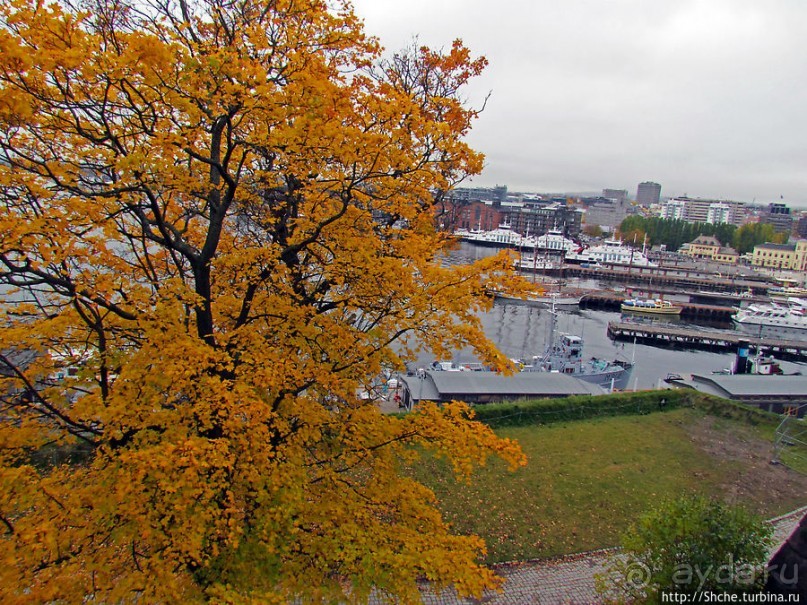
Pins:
x,y
216,226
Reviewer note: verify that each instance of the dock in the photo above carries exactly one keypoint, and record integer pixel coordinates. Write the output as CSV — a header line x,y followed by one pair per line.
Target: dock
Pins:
x,y
670,277
611,301
712,340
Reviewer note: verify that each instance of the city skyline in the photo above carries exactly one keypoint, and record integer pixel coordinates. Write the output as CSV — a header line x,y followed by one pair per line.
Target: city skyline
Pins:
x,y
631,195
701,97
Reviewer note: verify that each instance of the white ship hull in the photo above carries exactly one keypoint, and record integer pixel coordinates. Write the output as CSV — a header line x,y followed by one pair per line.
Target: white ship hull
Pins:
x,y
610,376
534,264
504,237
616,379
611,252
548,300
771,330
788,322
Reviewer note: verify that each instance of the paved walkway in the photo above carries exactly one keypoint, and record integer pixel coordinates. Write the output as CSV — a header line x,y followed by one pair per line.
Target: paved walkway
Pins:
x,y
570,580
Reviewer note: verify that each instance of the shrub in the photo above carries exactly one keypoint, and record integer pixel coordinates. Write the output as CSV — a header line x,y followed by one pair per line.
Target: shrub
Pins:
x,y
689,546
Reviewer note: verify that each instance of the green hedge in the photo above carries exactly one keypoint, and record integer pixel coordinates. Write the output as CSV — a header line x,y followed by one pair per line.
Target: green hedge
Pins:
x,y
734,410
581,407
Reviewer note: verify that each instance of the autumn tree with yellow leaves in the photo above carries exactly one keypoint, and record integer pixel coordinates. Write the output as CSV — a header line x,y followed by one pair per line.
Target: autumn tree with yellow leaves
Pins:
x,y
216,229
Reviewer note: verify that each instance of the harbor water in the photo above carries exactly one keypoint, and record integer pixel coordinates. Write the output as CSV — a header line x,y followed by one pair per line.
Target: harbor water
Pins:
x,y
521,330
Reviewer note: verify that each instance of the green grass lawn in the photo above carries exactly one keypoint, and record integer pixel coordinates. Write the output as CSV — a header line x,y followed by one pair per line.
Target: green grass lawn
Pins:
x,y
587,480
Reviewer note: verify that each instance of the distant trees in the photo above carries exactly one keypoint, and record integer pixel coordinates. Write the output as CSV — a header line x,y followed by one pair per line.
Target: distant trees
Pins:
x,y
633,237
675,232
672,232
753,234
593,230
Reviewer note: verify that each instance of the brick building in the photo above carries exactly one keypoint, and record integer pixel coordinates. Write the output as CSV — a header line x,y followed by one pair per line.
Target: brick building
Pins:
x,y
523,217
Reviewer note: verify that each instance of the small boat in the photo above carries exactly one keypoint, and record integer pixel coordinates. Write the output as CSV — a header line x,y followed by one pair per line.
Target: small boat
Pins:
x,y
762,366
656,307
569,299
533,263
782,295
451,366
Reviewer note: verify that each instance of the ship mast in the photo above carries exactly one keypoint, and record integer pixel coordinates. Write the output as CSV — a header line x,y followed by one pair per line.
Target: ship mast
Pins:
x,y
632,250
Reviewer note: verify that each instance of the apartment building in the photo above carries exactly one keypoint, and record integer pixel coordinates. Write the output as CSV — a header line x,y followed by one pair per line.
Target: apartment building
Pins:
x,y
695,210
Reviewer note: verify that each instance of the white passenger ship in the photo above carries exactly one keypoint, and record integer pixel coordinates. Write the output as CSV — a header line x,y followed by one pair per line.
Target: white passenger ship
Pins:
x,y
786,321
553,241
503,237
611,252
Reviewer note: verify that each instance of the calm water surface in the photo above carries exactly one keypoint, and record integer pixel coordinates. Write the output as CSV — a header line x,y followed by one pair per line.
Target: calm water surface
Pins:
x,y
521,331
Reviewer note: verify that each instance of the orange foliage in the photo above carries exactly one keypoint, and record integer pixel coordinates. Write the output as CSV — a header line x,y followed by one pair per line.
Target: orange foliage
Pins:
x,y
220,219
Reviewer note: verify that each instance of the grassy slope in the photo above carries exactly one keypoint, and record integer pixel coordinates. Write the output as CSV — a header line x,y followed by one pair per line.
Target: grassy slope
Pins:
x,y
586,481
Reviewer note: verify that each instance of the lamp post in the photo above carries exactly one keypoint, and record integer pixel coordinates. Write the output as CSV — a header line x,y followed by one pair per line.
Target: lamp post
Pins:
x,y
421,373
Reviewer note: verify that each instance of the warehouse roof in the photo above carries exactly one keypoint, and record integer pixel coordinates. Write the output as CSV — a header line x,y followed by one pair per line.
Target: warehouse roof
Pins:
x,y
445,386
751,385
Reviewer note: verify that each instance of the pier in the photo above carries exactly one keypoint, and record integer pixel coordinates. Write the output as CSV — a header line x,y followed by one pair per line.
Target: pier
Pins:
x,y
611,301
692,338
670,277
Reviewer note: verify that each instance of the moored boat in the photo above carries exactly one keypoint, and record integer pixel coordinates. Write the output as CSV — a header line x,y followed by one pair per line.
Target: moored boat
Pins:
x,y
782,295
536,264
564,355
562,299
654,306
502,237
552,242
610,252
787,321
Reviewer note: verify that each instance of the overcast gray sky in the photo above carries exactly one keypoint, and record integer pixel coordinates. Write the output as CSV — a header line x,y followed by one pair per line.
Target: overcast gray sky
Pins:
x,y
706,97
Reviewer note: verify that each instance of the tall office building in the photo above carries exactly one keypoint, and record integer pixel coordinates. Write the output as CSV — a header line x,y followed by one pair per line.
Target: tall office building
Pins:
x,y
801,227
648,193
779,216
620,195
